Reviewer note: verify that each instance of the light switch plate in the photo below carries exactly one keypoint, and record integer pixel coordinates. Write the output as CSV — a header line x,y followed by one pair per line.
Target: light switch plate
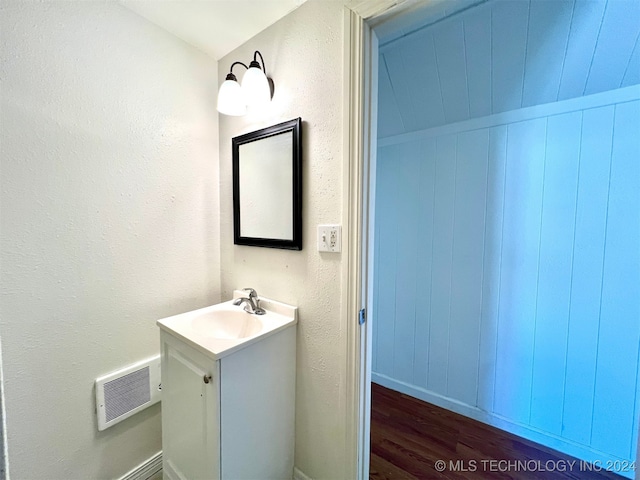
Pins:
x,y
330,238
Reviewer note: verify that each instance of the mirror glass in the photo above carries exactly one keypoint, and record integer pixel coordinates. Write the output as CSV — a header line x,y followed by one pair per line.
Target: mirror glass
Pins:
x,y
266,191
267,187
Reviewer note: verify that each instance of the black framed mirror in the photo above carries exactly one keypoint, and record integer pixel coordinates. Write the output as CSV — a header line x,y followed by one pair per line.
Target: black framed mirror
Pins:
x,y
267,187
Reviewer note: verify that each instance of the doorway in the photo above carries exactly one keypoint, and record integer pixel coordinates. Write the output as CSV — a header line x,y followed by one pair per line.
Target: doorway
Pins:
x,y
503,170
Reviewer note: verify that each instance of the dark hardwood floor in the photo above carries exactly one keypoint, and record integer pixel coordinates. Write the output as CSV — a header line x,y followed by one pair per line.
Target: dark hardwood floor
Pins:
x,y
409,437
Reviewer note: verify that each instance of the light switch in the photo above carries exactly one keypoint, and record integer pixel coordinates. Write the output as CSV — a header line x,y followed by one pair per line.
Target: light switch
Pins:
x,y
330,238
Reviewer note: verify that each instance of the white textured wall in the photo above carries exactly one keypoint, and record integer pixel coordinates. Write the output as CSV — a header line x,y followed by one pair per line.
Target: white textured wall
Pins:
x,y
303,54
109,198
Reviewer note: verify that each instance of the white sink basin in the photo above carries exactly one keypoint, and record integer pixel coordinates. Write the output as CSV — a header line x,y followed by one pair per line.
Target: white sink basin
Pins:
x,y
221,329
227,323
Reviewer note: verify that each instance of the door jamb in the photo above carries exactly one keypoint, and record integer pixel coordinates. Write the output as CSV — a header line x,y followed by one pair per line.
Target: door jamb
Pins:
x,y
360,119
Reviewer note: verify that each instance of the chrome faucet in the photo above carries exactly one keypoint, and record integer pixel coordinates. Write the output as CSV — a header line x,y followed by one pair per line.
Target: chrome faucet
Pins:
x,y
252,302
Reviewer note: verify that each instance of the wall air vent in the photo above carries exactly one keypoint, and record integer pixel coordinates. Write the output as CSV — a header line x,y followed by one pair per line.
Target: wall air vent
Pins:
x,y
122,393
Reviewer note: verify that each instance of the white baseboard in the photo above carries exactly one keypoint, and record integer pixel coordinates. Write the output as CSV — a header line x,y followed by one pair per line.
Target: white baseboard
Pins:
x,y
299,475
146,469
563,445
154,465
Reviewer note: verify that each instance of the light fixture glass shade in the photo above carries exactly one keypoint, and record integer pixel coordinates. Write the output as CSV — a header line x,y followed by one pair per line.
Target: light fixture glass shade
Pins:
x,y
231,99
255,87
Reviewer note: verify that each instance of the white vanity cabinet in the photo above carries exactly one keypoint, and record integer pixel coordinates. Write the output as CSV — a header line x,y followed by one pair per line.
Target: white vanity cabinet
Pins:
x,y
190,412
228,414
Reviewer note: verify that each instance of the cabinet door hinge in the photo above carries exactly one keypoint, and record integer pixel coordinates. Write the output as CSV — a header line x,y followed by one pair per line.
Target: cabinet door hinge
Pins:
x,y
362,316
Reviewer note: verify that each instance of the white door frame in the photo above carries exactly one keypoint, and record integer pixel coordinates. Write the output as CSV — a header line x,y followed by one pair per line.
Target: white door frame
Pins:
x,y
356,375
360,144
360,120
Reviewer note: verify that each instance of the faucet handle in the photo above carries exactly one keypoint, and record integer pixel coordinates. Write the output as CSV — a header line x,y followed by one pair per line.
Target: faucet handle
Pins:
x,y
252,292
255,301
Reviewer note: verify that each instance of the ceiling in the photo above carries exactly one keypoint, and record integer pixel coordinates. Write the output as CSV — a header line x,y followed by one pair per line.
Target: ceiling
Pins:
x,y
504,56
214,26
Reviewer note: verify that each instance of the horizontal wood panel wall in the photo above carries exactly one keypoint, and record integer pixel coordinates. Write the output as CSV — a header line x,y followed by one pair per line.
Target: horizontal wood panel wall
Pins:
x,y
507,251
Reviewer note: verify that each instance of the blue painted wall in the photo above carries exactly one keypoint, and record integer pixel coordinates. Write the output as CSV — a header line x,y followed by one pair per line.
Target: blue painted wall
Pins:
x,y
507,247
504,55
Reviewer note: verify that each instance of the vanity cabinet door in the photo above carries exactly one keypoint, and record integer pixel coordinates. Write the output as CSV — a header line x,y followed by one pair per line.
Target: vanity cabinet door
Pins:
x,y
190,413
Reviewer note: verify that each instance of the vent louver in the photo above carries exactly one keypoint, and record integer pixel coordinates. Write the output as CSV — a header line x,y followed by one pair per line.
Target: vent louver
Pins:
x,y
127,391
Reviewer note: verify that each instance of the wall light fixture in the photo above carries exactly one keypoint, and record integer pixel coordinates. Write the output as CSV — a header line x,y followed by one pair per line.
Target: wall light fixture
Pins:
x,y
256,90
